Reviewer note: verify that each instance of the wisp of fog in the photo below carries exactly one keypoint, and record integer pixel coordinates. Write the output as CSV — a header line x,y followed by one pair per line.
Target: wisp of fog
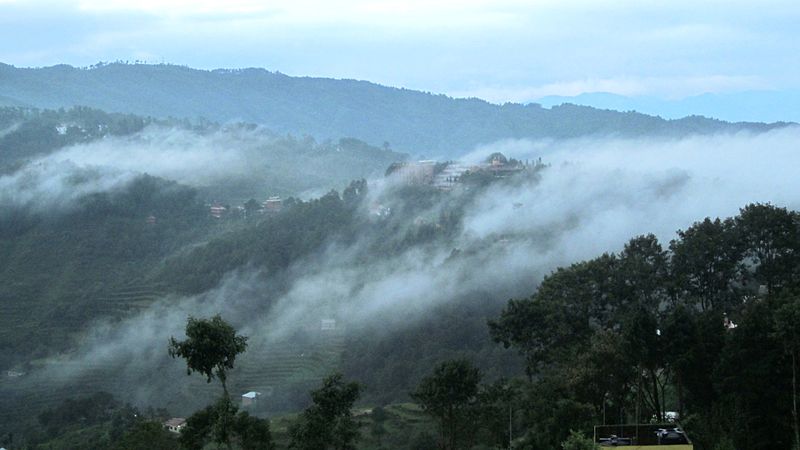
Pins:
x,y
596,195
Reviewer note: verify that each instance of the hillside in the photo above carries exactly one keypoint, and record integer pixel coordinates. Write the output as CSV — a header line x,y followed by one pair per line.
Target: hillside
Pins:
x,y
414,122
73,278
762,106
230,163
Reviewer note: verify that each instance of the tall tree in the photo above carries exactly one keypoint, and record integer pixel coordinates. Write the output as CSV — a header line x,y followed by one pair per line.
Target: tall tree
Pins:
x,y
787,329
328,423
210,348
706,263
450,395
773,242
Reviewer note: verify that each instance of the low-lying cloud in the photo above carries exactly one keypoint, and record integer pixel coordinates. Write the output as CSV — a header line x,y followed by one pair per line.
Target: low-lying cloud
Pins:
x,y
595,195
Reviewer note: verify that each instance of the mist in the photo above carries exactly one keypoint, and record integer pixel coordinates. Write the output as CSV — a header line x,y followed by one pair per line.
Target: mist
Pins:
x,y
230,164
595,196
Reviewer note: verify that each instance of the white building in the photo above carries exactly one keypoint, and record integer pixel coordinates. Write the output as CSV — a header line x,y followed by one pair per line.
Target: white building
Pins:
x,y
250,398
175,425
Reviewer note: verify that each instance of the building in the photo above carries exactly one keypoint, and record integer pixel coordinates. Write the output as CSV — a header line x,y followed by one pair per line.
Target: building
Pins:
x,y
250,398
175,425
151,220
642,437
217,210
449,176
327,324
272,204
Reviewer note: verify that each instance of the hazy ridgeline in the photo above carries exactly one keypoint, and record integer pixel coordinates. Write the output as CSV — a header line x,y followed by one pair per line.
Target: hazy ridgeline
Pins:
x,y
93,292
414,122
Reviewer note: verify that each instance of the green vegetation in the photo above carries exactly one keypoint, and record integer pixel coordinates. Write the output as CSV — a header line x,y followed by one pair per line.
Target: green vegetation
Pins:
x,y
210,348
412,121
625,337
328,423
450,396
26,132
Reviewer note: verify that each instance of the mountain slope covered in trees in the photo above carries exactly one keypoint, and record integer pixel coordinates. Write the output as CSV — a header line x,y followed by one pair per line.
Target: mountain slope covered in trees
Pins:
x,y
412,121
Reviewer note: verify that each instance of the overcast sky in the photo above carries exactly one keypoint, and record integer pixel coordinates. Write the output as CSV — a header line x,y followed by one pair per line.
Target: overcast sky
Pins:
x,y
500,50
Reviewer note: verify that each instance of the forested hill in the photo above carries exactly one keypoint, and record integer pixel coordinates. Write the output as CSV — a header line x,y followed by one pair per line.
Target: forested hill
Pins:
x,y
411,121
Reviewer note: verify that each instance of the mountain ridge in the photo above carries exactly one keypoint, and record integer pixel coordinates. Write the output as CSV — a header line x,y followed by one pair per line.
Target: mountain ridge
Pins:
x,y
433,125
756,105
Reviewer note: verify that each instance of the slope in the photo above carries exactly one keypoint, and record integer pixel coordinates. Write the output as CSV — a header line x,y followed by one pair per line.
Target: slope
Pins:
x,y
412,121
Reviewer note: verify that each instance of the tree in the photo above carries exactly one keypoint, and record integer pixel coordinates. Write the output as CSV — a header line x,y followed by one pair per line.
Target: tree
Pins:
x,y
450,395
642,343
578,441
787,330
252,206
497,411
328,423
210,348
253,433
643,265
147,435
706,261
773,242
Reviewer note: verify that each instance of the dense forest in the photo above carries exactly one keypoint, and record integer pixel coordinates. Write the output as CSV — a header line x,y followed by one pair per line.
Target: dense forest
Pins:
x,y
413,122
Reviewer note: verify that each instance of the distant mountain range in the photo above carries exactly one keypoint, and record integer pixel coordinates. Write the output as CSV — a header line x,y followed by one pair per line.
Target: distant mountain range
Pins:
x,y
409,121
753,106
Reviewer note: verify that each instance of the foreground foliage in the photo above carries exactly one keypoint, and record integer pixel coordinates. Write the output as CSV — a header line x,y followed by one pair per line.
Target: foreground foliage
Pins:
x,y
706,329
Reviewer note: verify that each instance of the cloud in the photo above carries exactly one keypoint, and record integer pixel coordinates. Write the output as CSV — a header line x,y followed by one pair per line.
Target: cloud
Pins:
x,y
500,50
597,194
55,186
55,182
663,87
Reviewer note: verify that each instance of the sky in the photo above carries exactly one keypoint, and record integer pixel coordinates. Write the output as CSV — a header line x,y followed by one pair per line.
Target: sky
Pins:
x,y
499,50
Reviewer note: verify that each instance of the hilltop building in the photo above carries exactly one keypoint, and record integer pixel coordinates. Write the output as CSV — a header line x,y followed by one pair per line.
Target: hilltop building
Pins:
x,y
449,177
272,205
217,210
446,175
175,425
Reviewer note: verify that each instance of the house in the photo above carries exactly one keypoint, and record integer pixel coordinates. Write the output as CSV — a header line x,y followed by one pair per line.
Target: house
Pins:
x,y
217,210
250,398
151,220
272,204
327,324
175,425
728,323
667,436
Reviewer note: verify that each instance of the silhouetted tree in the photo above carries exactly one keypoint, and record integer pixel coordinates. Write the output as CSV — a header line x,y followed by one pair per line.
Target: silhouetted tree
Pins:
x,y
328,423
450,395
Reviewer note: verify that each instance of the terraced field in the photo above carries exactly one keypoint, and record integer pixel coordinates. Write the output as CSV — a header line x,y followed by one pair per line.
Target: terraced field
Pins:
x,y
264,368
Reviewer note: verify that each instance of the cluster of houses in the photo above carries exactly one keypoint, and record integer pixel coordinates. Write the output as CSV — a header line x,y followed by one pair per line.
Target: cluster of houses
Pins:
x,y
271,205
446,175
